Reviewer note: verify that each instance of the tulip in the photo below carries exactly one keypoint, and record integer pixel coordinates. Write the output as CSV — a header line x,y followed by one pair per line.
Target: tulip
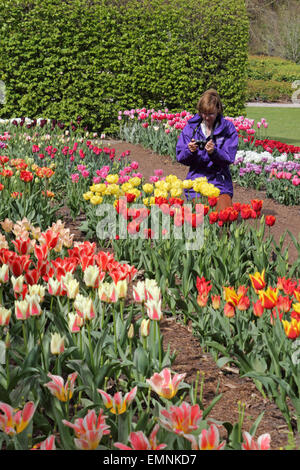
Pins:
x,y
229,310
262,443
153,308
117,404
37,289
258,309
258,281
181,419
164,385
7,225
107,292
91,276
47,444
75,322
17,283
292,328
215,301
145,327
54,287
269,297
4,273
256,204
57,345
287,285
84,307
121,289
34,305
5,315
138,292
270,220
62,391
22,311
139,441
208,439
14,422
89,430
72,287
130,333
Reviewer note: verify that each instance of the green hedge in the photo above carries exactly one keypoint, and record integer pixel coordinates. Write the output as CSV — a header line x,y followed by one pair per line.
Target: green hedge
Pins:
x,y
272,68
61,58
268,91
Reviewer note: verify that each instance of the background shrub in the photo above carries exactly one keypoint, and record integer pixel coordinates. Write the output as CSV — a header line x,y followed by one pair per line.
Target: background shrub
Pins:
x,y
61,59
268,91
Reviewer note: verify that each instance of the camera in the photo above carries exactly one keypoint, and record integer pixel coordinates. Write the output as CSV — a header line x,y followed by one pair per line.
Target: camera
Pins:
x,y
201,143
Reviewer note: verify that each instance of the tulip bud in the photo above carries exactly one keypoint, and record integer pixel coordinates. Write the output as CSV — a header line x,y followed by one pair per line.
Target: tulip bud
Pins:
x,y
4,270
145,327
121,288
57,344
130,333
5,315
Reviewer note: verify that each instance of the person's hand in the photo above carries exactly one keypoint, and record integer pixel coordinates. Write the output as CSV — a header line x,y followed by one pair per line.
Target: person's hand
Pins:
x,y
210,146
192,146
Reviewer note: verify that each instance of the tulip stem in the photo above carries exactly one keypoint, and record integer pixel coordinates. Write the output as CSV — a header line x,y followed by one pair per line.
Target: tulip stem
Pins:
x,y
41,343
24,336
196,387
159,344
90,346
7,369
121,308
115,330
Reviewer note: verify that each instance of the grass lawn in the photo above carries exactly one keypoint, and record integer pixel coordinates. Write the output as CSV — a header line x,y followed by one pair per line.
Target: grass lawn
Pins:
x,y
284,123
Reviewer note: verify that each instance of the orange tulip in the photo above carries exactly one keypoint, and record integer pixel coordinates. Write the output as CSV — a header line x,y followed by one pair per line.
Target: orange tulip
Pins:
x,y
258,280
292,328
215,299
269,297
258,309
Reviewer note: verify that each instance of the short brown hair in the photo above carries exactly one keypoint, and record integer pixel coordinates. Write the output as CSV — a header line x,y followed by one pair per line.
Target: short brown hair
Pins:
x,y
210,102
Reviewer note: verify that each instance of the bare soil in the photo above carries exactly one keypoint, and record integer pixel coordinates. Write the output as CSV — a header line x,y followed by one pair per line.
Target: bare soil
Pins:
x,y
191,359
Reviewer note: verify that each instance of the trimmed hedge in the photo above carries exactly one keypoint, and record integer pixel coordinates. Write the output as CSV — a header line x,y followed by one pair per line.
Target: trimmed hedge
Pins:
x,y
63,58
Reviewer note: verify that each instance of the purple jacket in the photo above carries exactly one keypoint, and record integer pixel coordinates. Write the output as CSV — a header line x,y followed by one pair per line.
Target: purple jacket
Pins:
x,y
214,167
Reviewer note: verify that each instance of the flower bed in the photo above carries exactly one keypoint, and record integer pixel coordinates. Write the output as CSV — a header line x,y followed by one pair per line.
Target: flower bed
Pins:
x,y
81,348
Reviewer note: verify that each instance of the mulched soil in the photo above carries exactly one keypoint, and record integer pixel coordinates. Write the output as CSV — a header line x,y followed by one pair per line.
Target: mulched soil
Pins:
x,y
191,359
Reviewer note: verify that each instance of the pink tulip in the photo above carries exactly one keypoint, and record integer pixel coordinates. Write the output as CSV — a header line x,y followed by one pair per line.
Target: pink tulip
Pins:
x,y
181,419
14,422
207,440
134,165
164,385
117,404
89,430
262,443
139,441
61,390
47,444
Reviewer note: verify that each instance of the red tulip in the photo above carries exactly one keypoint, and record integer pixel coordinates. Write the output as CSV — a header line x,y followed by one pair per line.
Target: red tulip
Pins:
x,y
270,220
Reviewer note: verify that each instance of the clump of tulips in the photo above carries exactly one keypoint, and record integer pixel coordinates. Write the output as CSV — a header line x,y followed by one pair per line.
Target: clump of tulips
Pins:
x,y
230,319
